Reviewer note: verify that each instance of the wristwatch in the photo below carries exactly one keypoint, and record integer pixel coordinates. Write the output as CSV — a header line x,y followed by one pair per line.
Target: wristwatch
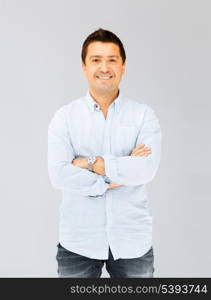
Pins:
x,y
107,179
91,161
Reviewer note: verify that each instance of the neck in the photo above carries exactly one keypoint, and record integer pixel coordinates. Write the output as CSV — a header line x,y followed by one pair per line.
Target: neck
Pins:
x,y
104,99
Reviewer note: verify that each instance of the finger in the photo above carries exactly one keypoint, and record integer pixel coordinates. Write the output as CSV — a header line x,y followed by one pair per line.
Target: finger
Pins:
x,y
139,147
113,185
145,149
142,149
140,153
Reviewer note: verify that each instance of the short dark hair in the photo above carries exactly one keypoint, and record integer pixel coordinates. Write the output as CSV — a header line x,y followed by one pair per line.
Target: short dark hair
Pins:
x,y
105,36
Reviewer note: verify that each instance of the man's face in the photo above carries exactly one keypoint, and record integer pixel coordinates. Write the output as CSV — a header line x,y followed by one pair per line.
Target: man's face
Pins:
x,y
103,67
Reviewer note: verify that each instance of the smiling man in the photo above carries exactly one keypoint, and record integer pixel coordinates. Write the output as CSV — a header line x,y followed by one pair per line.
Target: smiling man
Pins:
x,y
103,149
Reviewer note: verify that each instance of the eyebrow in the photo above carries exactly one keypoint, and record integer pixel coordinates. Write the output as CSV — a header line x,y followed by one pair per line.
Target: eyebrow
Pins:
x,y
116,56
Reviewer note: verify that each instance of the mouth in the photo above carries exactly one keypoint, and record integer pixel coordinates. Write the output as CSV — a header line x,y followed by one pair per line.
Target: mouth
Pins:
x,y
104,77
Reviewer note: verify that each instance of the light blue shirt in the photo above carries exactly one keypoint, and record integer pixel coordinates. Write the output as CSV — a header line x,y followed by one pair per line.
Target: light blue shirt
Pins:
x,y
92,217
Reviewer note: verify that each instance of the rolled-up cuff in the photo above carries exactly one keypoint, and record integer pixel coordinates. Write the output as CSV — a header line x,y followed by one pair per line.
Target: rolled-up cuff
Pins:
x,y
99,188
111,167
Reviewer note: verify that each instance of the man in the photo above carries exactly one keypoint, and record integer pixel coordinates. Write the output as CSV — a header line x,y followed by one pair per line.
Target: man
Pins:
x,y
102,151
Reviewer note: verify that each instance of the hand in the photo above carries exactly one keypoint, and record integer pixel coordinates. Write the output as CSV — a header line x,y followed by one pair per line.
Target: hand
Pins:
x,y
80,162
99,166
141,150
113,185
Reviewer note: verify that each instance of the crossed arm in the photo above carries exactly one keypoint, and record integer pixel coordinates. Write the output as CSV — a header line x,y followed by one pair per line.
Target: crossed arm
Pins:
x,y
99,165
69,173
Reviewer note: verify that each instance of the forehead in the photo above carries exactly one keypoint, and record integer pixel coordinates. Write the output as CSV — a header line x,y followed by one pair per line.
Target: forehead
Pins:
x,y
102,49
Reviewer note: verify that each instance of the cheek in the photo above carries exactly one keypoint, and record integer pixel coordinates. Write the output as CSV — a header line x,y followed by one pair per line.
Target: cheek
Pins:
x,y
90,72
90,75
118,76
119,72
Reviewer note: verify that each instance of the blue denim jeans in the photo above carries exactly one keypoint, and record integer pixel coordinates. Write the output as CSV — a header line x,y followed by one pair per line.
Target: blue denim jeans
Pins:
x,y
73,265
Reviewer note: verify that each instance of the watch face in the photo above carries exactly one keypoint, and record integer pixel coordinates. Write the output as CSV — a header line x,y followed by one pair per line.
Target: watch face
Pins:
x,y
92,159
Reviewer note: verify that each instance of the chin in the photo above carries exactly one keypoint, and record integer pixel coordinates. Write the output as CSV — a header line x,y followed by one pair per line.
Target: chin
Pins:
x,y
106,88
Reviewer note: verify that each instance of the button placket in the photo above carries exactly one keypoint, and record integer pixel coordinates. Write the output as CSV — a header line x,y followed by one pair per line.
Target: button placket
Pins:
x,y
107,150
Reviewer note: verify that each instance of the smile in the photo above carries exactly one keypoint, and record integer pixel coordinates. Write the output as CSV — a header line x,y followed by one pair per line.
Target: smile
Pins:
x,y
104,77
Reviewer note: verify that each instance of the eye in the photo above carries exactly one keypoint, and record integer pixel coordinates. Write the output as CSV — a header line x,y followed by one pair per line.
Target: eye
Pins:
x,y
95,60
113,60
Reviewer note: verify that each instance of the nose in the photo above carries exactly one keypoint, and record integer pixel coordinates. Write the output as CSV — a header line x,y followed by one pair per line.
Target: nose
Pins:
x,y
103,67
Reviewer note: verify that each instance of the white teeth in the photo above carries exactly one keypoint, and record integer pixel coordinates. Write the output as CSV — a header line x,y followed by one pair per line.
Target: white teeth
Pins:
x,y
104,77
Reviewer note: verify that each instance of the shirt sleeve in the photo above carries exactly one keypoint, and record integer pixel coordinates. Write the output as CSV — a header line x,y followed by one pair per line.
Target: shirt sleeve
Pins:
x,y
138,170
62,173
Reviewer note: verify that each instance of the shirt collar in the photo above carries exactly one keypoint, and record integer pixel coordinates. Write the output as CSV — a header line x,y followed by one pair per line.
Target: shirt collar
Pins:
x,y
93,105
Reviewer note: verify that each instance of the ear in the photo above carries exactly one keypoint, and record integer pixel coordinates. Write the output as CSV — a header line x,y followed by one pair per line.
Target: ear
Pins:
x,y
123,68
83,66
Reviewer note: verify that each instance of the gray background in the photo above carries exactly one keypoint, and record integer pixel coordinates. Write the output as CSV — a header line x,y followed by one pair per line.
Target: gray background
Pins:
x,y
168,46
